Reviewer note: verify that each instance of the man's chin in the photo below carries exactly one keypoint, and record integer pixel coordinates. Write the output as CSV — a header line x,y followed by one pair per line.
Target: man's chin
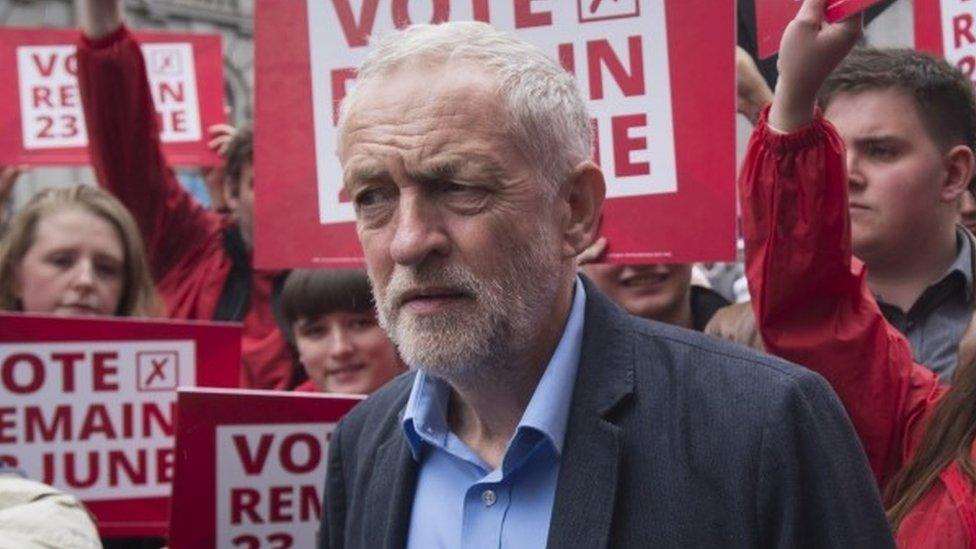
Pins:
x,y
443,349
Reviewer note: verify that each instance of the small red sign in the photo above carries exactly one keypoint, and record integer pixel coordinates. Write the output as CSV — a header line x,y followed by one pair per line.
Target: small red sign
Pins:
x,y
41,112
88,406
250,467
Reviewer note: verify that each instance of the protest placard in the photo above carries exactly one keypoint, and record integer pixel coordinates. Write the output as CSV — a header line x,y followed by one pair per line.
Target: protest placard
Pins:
x,y
772,16
946,28
658,78
42,107
87,406
251,467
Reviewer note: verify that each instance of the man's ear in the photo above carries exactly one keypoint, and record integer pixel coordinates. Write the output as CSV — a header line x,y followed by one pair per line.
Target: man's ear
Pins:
x,y
583,195
959,163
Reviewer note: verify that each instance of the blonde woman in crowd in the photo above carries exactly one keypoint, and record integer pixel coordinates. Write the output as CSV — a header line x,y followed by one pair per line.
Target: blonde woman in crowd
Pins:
x,y
75,251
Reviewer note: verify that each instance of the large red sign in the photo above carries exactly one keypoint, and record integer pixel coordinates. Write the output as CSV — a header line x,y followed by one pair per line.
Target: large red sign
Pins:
x,y
250,467
947,28
87,406
658,77
772,16
40,107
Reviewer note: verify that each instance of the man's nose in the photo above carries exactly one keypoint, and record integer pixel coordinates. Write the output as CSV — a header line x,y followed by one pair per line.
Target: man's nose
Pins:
x,y
855,179
418,231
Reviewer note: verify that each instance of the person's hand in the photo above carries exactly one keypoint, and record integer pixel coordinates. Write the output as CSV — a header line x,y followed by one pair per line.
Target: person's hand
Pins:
x,y
810,50
220,137
752,91
100,17
593,253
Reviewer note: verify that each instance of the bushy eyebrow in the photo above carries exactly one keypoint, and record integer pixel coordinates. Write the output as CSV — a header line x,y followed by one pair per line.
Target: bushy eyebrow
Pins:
x,y
459,169
356,174
881,139
477,169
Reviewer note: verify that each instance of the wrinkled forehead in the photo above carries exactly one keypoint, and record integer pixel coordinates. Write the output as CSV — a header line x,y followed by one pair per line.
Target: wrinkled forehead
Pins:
x,y
425,89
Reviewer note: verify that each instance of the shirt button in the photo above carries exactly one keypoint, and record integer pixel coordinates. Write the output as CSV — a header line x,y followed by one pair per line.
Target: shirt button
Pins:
x,y
489,498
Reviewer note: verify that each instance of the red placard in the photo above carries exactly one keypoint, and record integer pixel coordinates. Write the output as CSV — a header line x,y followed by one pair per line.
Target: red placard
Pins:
x,y
87,405
662,99
947,28
928,26
772,16
251,466
40,107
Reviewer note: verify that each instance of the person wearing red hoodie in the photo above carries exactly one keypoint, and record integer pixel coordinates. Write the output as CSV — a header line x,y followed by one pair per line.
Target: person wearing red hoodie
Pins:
x,y
810,295
201,260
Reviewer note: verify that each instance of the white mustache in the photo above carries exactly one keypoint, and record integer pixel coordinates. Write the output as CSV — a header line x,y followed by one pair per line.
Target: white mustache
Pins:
x,y
407,280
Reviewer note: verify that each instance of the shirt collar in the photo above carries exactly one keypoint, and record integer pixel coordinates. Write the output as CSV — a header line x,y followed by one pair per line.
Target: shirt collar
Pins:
x,y
425,415
963,264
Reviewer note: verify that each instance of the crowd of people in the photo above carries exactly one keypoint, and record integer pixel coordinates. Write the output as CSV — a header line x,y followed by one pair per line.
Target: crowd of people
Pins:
x,y
520,394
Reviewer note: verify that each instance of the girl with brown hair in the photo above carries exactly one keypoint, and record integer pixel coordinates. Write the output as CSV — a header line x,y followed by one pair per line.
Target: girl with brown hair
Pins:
x,y
336,334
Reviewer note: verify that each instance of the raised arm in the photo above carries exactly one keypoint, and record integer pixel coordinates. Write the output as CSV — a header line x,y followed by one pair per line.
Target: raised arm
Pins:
x,y
124,140
100,18
810,296
752,91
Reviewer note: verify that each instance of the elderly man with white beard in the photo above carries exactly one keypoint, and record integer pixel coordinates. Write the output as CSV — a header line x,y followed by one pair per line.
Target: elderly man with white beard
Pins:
x,y
537,413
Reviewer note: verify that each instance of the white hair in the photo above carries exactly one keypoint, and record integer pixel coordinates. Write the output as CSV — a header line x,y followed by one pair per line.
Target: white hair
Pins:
x,y
548,118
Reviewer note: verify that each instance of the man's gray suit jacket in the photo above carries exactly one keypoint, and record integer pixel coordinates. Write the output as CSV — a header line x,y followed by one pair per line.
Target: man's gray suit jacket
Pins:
x,y
675,439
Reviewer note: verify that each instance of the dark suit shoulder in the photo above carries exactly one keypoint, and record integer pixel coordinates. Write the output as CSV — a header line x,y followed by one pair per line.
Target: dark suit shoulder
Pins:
x,y
382,410
720,359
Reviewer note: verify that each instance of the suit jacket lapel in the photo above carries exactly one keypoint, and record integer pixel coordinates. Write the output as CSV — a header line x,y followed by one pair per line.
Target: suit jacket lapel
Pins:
x,y
386,520
582,513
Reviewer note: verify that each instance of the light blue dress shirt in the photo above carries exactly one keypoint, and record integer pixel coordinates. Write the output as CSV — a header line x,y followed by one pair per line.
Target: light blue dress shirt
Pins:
x,y
460,501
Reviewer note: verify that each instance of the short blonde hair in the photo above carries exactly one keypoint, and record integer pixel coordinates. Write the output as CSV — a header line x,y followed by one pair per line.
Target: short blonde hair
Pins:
x,y
139,297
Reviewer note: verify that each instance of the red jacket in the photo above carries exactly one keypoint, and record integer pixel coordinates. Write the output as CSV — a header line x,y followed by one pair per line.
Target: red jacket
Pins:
x,y
813,307
185,241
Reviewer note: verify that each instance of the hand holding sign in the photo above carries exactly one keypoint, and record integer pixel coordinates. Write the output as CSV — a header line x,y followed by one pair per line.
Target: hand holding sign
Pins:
x,y
594,253
772,16
810,51
221,136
